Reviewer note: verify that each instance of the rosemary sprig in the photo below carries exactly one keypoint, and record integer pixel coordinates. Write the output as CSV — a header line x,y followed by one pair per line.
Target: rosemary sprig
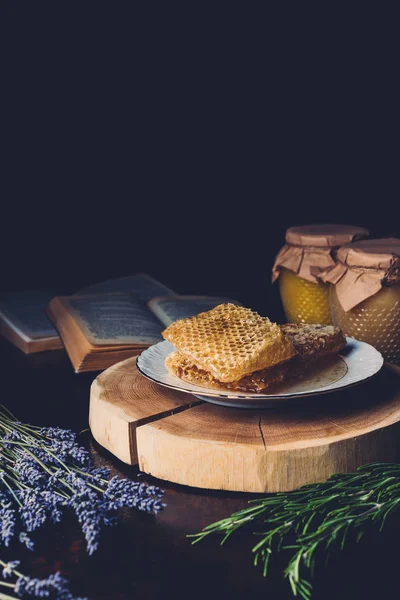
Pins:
x,y
317,517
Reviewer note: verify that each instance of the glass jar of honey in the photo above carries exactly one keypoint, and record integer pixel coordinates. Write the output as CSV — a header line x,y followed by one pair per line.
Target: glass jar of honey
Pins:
x,y
365,294
309,251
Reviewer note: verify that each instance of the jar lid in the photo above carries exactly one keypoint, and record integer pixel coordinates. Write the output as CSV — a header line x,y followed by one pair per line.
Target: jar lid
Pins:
x,y
309,249
362,268
324,235
371,254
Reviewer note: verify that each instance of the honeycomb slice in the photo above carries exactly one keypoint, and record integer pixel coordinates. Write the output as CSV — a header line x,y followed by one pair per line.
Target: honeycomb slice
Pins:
x,y
181,367
230,342
314,341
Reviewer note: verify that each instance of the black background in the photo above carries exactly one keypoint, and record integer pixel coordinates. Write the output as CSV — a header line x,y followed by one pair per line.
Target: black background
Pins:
x,y
184,141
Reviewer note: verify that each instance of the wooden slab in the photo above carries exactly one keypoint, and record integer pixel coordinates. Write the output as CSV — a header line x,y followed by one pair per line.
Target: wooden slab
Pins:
x,y
121,400
175,436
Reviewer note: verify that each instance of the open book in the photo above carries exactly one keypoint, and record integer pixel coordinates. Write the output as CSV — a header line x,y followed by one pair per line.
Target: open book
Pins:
x,y
25,323
99,330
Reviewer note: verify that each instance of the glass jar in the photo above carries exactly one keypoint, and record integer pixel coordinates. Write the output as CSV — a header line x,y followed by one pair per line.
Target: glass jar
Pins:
x,y
375,321
365,294
309,251
304,301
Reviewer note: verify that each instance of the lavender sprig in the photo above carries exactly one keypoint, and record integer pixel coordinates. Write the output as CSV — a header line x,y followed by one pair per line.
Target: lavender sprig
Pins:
x,y
44,472
53,587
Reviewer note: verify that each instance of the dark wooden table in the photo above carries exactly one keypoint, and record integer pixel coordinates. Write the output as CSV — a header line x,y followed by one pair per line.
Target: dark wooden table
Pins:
x,y
147,557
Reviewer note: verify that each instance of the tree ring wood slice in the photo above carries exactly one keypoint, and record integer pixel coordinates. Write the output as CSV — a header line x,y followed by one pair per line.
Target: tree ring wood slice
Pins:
x,y
177,437
121,400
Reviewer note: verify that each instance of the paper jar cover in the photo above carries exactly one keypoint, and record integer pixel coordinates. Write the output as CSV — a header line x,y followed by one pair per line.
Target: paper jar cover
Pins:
x,y
362,268
308,248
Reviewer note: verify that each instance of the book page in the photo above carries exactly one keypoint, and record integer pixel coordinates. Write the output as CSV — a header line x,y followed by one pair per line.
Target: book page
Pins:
x,y
25,312
170,308
108,319
142,285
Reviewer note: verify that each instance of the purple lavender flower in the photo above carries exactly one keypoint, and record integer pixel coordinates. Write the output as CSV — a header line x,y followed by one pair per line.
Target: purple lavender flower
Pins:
x,y
153,490
151,505
99,473
65,450
76,481
55,433
79,454
29,470
8,570
50,487
35,509
123,492
11,436
26,540
89,509
54,479
54,586
40,452
7,523
54,504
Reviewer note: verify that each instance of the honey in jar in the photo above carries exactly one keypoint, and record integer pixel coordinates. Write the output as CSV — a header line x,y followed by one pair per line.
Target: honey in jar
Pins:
x,y
309,251
365,294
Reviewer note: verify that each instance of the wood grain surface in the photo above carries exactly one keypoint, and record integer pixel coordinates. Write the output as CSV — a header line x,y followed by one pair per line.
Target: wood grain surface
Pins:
x,y
174,436
121,400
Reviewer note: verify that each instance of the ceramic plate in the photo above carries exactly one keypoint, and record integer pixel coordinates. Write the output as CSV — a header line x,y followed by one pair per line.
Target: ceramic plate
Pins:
x,y
357,362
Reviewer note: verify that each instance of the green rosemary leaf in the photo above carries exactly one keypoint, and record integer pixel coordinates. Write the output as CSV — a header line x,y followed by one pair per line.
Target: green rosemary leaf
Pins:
x,y
315,519
266,556
304,589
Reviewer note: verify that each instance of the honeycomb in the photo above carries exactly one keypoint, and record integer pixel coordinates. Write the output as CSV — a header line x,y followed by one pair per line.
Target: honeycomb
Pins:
x,y
230,341
304,301
376,321
181,367
314,341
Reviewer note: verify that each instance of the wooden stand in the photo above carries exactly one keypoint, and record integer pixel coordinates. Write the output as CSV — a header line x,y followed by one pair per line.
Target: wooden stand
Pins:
x,y
175,436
